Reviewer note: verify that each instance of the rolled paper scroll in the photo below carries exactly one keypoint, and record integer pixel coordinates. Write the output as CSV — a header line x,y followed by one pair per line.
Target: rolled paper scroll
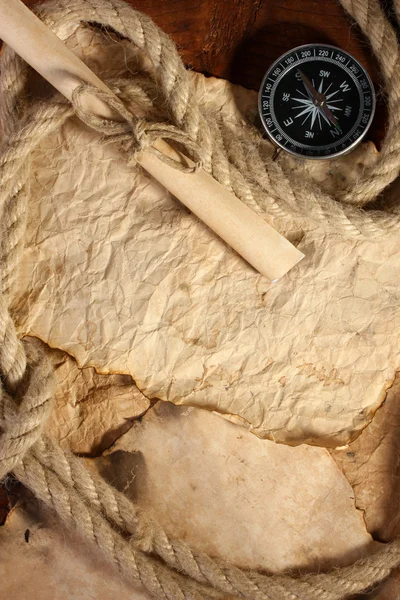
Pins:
x,y
232,220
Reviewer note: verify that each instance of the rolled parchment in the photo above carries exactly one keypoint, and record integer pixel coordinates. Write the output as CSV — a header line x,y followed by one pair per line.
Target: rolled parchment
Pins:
x,y
239,226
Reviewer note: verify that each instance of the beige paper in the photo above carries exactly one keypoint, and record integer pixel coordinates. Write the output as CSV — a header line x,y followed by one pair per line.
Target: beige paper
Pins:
x,y
54,564
91,410
120,275
371,465
250,501
230,494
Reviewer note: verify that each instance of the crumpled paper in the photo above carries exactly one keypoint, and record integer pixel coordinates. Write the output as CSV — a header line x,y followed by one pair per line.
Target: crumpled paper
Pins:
x,y
268,506
371,465
121,276
91,410
208,481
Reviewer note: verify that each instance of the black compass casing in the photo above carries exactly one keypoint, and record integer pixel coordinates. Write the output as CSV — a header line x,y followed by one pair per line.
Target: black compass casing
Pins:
x,y
316,101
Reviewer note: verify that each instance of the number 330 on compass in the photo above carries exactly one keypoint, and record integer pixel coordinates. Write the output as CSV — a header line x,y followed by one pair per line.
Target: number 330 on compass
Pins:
x,y
316,101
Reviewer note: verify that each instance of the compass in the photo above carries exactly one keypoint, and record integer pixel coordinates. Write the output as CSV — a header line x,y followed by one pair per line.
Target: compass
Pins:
x,y
316,101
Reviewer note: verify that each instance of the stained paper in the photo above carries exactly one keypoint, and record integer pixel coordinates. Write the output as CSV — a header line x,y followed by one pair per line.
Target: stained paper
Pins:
x,y
121,276
39,559
91,410
371,465
230,494
208,481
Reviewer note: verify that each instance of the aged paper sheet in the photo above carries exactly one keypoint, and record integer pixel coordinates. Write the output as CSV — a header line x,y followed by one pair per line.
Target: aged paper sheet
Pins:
x,y
91,410
54,564
256,503
371,465
119,274
250,501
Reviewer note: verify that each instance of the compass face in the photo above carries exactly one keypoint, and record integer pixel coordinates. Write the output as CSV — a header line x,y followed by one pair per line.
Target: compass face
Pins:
x,y
316,101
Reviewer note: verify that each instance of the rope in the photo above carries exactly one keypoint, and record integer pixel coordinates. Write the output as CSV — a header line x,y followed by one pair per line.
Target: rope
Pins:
x,y
129,537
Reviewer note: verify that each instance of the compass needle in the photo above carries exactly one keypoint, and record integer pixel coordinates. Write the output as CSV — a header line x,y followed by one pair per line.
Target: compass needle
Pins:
x,y
323,115
316,101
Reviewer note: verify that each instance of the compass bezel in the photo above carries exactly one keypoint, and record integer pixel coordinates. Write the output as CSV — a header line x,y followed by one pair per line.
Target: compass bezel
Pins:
x,y
275,123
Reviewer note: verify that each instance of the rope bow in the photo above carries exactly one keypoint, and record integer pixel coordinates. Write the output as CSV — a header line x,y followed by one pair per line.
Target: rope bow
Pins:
x,y
134,134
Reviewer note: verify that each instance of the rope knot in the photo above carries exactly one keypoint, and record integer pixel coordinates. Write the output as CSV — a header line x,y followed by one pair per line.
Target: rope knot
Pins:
x,y
135,134
140,133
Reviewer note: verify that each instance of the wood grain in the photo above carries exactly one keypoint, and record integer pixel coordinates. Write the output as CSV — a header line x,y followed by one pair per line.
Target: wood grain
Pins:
x,y
239,39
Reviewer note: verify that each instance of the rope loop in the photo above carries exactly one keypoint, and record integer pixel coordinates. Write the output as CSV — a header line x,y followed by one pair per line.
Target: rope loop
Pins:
x,y
134,134
25,410
137,545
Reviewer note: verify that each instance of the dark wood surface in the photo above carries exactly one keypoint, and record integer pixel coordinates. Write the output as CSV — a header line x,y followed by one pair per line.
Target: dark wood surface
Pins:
x,y
238,39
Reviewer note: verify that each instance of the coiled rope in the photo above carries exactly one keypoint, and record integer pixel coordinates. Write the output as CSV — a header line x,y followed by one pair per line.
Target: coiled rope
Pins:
x,y
133,541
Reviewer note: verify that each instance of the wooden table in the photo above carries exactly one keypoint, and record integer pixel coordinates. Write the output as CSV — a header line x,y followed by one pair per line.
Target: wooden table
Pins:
x,y
239,39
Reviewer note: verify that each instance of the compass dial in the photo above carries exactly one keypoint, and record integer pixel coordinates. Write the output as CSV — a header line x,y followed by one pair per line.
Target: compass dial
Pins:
x,y
316,101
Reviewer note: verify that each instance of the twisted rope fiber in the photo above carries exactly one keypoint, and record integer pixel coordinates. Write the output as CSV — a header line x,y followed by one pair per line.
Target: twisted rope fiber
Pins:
x,y
269,187
131,539
27,398
383,40
150,537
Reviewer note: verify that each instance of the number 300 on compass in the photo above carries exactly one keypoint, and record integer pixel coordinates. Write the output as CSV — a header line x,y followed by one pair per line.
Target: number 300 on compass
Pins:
x,y
316,101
